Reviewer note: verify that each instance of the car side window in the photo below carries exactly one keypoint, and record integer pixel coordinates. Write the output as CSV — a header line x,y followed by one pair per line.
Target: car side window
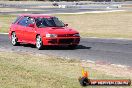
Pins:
x,y
23,21
30,21
39,22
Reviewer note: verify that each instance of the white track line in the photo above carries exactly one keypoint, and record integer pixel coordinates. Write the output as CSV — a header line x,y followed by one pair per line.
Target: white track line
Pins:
x,y
109,38
92,37
93,12
119,65
4,33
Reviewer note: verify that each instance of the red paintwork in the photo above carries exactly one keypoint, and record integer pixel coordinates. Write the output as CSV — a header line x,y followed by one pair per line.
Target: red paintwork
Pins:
x,y
28,34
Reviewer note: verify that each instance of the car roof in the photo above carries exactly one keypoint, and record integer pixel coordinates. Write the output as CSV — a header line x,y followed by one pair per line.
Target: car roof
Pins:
x,y
37,15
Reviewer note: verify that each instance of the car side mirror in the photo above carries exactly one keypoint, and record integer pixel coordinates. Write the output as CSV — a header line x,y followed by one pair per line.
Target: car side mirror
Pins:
x,y
66,25
31,25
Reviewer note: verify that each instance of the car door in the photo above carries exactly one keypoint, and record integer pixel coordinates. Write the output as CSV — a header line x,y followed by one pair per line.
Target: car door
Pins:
x,y
22,24
14,27
30,32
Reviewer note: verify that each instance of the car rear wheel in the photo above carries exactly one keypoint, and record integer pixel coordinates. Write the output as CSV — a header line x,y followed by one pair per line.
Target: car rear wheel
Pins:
x,y
14,39
39,43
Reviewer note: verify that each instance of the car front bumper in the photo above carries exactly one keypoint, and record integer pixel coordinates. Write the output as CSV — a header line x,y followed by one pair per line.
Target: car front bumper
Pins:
x,y
61,41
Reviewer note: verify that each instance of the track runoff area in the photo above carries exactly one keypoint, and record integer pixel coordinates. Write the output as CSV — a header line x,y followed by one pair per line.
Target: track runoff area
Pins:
x,y
85,81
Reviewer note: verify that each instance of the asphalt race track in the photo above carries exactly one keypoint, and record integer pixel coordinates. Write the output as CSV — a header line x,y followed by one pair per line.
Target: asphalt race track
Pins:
x,y
110,51
55,10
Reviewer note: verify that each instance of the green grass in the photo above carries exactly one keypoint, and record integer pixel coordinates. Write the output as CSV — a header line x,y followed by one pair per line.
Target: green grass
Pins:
x,y
5,22
104,25
23,70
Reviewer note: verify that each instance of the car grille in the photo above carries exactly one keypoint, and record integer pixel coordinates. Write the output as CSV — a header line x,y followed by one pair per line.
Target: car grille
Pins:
x,y
65,35
66,41
52,41
77,40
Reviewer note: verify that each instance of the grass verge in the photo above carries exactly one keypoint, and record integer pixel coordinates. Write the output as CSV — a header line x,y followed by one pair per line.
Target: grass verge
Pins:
x,y
5,22
104,25
24,70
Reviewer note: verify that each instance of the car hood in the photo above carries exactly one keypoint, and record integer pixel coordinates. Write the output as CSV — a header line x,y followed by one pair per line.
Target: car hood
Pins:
x,y
60,30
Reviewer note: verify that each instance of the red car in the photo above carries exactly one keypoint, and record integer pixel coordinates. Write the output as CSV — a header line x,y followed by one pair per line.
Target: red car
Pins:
x,y
42,30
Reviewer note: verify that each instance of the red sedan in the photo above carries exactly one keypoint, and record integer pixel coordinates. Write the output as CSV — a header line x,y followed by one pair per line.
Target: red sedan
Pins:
x,y
42,30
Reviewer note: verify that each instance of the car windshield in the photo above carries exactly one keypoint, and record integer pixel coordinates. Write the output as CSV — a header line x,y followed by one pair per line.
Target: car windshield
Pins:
x,y
49,22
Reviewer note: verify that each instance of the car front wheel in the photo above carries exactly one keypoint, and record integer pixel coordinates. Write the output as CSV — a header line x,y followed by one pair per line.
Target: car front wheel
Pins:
x,y
39,43
14,39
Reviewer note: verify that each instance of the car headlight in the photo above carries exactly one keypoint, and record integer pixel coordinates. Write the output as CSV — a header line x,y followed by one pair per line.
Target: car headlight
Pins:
x,y
51,35
76,35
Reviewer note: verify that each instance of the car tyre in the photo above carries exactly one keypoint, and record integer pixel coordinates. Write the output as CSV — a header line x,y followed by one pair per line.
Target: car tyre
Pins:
x,y
39,43
14,39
